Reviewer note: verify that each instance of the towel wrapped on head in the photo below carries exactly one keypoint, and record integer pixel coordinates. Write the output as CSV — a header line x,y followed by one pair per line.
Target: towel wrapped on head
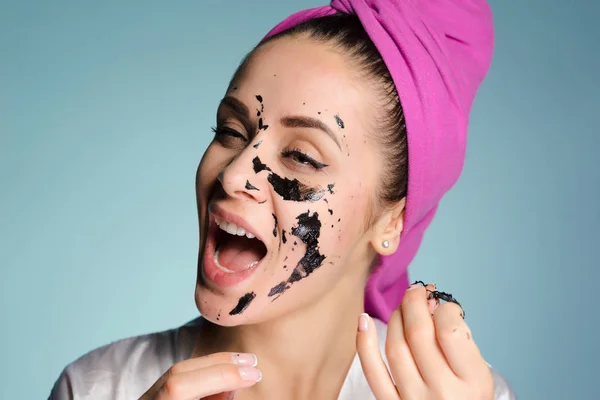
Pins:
x,y
437,52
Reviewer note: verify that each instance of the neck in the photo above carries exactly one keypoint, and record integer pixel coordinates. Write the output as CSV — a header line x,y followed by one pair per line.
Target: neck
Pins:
x,y
302,355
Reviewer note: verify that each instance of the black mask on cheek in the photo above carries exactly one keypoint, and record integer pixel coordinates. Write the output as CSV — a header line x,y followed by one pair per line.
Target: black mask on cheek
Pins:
x,y
308,231
290,190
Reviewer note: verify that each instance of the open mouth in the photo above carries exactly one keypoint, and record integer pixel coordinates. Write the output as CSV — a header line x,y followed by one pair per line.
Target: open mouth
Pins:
x,y
236,250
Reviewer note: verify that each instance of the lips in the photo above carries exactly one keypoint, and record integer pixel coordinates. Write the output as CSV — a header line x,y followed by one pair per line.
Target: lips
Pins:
x,y
236,249
233,249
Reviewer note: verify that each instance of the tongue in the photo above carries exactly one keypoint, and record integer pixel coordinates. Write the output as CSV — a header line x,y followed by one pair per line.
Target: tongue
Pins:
x,y
237,253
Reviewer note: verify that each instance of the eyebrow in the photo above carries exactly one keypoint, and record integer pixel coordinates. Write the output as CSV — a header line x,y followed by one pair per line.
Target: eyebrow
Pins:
x,y
294,121
308,122
236,106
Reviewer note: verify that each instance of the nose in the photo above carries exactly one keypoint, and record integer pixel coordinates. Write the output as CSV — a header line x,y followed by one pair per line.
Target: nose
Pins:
x,y
239,180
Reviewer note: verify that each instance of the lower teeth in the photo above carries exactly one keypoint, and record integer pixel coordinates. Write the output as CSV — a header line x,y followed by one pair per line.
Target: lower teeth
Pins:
x,y
222,268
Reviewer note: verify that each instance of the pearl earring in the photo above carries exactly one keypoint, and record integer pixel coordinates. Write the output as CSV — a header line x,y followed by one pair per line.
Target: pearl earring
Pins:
x,y
386,244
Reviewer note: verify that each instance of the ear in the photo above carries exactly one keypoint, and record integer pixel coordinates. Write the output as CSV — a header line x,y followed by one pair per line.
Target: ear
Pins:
x,y
388,228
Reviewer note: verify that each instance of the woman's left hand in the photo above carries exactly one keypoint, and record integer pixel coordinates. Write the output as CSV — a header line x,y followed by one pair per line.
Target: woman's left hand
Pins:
x,y
430,351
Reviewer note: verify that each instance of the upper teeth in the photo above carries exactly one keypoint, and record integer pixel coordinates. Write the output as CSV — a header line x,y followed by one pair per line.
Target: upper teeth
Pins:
x,y
233,229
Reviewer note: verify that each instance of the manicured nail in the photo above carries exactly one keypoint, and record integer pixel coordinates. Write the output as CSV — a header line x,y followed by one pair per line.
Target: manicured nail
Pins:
x,y
250,374
414,286
249,360
363,322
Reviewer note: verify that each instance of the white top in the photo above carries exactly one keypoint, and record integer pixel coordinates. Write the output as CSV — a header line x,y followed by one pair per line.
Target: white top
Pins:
x,y
125,369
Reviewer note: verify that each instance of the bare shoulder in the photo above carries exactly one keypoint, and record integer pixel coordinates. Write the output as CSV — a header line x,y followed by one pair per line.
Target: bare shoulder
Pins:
x,y
502,388
123,369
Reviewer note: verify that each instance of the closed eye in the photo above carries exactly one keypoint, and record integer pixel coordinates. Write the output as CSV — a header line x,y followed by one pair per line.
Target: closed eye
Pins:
x,y
225,131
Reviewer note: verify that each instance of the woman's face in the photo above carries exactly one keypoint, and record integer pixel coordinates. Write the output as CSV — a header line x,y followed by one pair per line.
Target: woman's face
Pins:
x,y
286,185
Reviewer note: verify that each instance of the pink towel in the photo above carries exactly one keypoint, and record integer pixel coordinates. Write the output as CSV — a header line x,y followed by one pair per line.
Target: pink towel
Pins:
x,y
438,52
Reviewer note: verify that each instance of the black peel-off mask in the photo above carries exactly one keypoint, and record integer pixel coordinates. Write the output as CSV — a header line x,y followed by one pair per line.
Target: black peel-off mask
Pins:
x,y
261,125
243,303
250,186
436,294
291,190
307,230
339,121
308,226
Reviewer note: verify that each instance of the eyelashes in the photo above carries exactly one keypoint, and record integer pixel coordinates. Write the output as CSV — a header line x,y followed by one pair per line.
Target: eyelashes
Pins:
x,y
221,132
300,157
231,138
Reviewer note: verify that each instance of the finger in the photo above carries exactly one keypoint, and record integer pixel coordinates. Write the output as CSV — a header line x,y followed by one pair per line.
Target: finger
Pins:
x,y
432,302
208,381
198,363
241,359
221,396
405,373
419,331
456,342
374,368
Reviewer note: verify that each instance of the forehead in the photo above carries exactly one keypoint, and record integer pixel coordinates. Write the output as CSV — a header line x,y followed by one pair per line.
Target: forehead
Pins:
x,y
293,73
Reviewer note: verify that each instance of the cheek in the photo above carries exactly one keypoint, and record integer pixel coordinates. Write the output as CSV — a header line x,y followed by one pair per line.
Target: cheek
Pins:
x,y
206,179
340,229
344,227
208,171
339,215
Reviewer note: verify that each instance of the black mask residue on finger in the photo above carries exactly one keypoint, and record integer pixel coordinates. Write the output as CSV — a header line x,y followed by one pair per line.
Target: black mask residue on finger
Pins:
x,y
436,294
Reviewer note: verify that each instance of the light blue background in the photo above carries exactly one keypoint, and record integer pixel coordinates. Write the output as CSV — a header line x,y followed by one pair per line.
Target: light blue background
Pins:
x,y
105,110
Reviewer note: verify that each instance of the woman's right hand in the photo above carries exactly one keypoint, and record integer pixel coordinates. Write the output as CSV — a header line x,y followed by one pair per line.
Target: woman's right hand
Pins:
x,y
216,374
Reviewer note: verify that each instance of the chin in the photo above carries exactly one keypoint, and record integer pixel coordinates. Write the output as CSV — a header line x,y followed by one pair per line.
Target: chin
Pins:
x,y
217,307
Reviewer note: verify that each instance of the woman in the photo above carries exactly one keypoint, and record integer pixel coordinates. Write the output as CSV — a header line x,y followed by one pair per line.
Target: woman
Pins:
x,y
334,143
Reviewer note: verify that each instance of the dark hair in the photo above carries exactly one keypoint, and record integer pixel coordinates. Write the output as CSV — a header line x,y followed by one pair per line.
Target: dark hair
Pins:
x,y
347,34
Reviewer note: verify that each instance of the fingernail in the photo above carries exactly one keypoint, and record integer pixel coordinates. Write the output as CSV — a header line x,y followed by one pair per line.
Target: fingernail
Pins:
x,y
363,322
432,305
245,359
414,286
250,374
